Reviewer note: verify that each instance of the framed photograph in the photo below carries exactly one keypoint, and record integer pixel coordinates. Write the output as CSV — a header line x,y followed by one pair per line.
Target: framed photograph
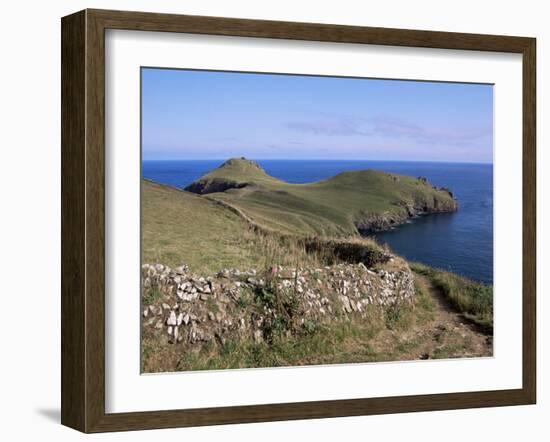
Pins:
x,y
268,220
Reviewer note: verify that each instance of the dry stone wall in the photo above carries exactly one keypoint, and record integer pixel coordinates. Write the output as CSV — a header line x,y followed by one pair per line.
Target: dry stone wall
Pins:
x,y
191,309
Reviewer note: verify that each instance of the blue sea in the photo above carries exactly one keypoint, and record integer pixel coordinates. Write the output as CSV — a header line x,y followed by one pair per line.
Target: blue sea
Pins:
x,y
461,242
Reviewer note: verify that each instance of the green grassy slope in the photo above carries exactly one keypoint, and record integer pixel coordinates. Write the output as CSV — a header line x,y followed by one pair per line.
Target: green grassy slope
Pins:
x,y
341,205
184,228
180,227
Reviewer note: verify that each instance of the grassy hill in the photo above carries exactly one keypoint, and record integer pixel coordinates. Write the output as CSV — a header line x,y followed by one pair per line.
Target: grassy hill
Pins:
x,y
180,227
342,205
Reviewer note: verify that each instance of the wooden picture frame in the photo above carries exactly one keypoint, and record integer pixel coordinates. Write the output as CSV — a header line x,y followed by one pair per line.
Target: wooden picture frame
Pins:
x,y
83,220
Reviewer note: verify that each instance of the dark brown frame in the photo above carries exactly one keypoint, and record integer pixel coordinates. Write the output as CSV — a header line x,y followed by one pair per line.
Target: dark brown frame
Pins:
x,y
83,216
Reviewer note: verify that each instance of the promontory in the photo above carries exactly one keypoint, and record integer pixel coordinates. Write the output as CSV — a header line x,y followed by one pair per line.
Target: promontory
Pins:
x,y
348,203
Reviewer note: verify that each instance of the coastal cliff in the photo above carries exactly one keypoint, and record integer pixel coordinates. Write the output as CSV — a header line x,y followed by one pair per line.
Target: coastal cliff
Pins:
x,y
348,203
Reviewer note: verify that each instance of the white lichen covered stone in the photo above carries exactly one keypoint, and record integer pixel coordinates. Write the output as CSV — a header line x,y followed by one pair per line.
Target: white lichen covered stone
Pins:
x,y
172,320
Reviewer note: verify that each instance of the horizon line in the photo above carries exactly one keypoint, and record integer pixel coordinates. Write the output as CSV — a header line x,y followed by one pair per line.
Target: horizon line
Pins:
x,y
322,159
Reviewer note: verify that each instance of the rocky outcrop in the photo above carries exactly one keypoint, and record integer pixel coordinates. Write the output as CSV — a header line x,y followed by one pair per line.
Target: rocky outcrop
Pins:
x,y
213,185
190,309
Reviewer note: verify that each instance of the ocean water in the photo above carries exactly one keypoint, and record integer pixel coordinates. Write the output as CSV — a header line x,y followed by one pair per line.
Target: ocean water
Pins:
x,y
461,242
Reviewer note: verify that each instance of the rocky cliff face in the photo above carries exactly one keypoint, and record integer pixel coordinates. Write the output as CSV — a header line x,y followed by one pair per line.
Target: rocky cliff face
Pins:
x,y
190,309
213,185
440,202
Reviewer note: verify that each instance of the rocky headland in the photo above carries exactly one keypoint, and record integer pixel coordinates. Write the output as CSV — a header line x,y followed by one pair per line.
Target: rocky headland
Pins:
x,y
348,203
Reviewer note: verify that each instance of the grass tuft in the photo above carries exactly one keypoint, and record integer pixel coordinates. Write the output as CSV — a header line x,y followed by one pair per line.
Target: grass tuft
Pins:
x,y
151,296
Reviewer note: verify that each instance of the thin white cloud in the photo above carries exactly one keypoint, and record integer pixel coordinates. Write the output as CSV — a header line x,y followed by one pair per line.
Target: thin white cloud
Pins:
x,y
390,127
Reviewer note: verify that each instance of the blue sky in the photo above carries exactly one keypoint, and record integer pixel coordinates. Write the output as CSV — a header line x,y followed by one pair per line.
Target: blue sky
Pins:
x,y
216,115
